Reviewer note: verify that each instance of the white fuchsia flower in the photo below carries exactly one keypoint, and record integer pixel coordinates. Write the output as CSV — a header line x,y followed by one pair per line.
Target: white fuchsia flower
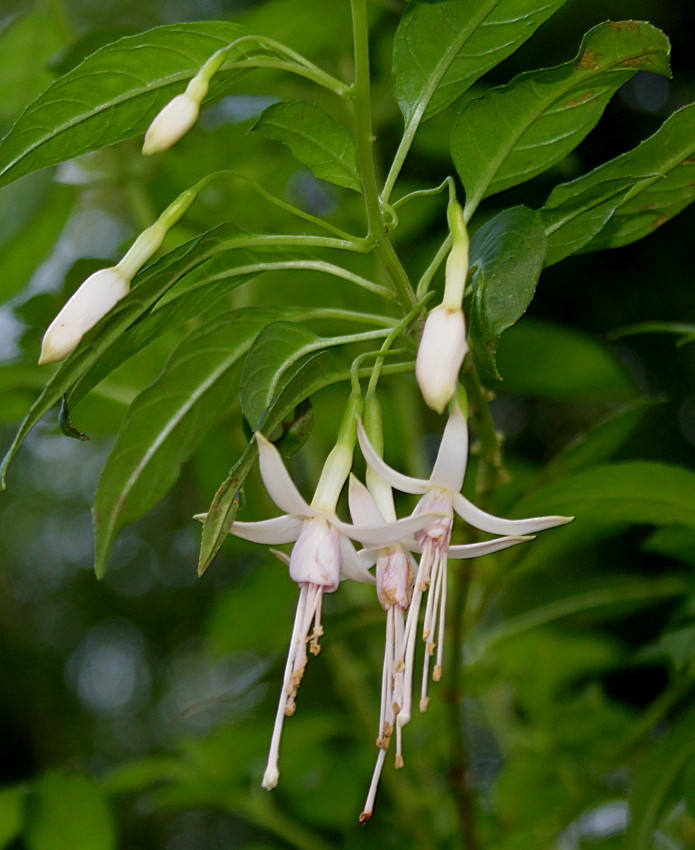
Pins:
x,y
321,556
441,496
171,123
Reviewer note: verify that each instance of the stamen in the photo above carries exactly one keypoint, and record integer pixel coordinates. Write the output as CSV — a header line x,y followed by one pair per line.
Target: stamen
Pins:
x,y
308,609
371,794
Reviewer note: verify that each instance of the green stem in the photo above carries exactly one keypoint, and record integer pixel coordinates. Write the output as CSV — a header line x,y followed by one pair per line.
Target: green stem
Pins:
x,y
365,157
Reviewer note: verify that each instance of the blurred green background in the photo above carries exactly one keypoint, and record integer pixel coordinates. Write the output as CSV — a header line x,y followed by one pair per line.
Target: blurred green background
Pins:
x,y
179,675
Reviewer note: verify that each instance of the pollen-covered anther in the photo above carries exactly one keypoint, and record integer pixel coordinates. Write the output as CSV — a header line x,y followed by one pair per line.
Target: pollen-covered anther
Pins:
x,y
437,673
398,762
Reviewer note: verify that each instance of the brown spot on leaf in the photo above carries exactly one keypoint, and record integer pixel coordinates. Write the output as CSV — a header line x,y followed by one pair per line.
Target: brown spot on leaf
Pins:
x,y
583,99
623,25
588,59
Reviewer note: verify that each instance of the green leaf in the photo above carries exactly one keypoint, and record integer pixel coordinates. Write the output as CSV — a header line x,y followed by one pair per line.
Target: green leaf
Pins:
x,y
272,363
151,285
195,296
317,140
604,500
167,421
11,813
662,173
68,812
686,330
443,48
506,256
597,444
26,45
574,223
654,781
113,95
539,358
517,131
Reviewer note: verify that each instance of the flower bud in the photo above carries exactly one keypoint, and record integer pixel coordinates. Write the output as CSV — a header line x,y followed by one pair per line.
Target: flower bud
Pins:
x,y
394,578
171,123
440,355
93,300
316,557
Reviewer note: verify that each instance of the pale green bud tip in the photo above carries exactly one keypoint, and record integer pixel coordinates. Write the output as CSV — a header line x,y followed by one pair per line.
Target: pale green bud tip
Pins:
x,y
440,355
171,123
91,302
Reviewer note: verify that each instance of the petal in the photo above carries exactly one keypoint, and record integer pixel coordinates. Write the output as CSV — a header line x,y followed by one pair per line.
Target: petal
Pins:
x,y
354,565
277,480
495,525
474,550
401,482
281,556
450,467
385,533
363,508
280,529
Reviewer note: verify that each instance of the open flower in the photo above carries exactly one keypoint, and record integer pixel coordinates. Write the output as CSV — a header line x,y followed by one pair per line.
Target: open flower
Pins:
x,y
441,496
322,555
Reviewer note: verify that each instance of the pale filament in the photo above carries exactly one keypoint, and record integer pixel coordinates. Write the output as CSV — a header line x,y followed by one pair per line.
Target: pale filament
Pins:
x,y
308,610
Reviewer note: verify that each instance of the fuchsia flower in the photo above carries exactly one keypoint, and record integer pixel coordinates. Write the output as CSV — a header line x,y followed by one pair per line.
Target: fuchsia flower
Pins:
x,y
441,496
322,555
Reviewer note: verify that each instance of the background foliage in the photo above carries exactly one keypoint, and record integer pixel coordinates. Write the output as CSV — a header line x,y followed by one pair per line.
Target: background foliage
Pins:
x,y
140,706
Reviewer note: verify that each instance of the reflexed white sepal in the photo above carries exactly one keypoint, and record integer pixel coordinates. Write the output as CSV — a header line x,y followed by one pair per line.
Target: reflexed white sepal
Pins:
x,y
171,123
440,355
91,302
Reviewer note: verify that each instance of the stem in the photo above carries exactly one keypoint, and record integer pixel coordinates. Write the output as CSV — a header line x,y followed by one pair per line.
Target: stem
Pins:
x,y
365,158
460,769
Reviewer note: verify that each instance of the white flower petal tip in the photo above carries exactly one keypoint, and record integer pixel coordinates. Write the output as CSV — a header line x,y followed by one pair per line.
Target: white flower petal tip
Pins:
x,y
90,303
171,124
281,556
404,483
440,355
200,517
271,777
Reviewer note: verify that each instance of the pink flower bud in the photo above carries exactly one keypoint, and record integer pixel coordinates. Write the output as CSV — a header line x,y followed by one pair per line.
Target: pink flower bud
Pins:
x,y
440,355
91,302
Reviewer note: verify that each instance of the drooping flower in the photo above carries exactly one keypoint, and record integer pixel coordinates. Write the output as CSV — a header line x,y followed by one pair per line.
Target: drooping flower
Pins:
x,y
441,496
395,569
321,556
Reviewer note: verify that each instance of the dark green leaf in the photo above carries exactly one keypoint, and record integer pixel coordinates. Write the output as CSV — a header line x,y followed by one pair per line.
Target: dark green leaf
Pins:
x,y
168,420
539,358
113,95
662,173
686,330
443,48
271,364
68,812
517,131
322,144
597,444
506,256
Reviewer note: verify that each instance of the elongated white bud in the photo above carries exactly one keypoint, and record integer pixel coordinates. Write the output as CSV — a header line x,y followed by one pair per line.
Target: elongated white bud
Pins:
x,y
171,123
440,355
91,302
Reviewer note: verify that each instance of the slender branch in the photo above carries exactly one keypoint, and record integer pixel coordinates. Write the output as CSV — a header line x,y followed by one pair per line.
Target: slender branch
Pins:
x,y
364,139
